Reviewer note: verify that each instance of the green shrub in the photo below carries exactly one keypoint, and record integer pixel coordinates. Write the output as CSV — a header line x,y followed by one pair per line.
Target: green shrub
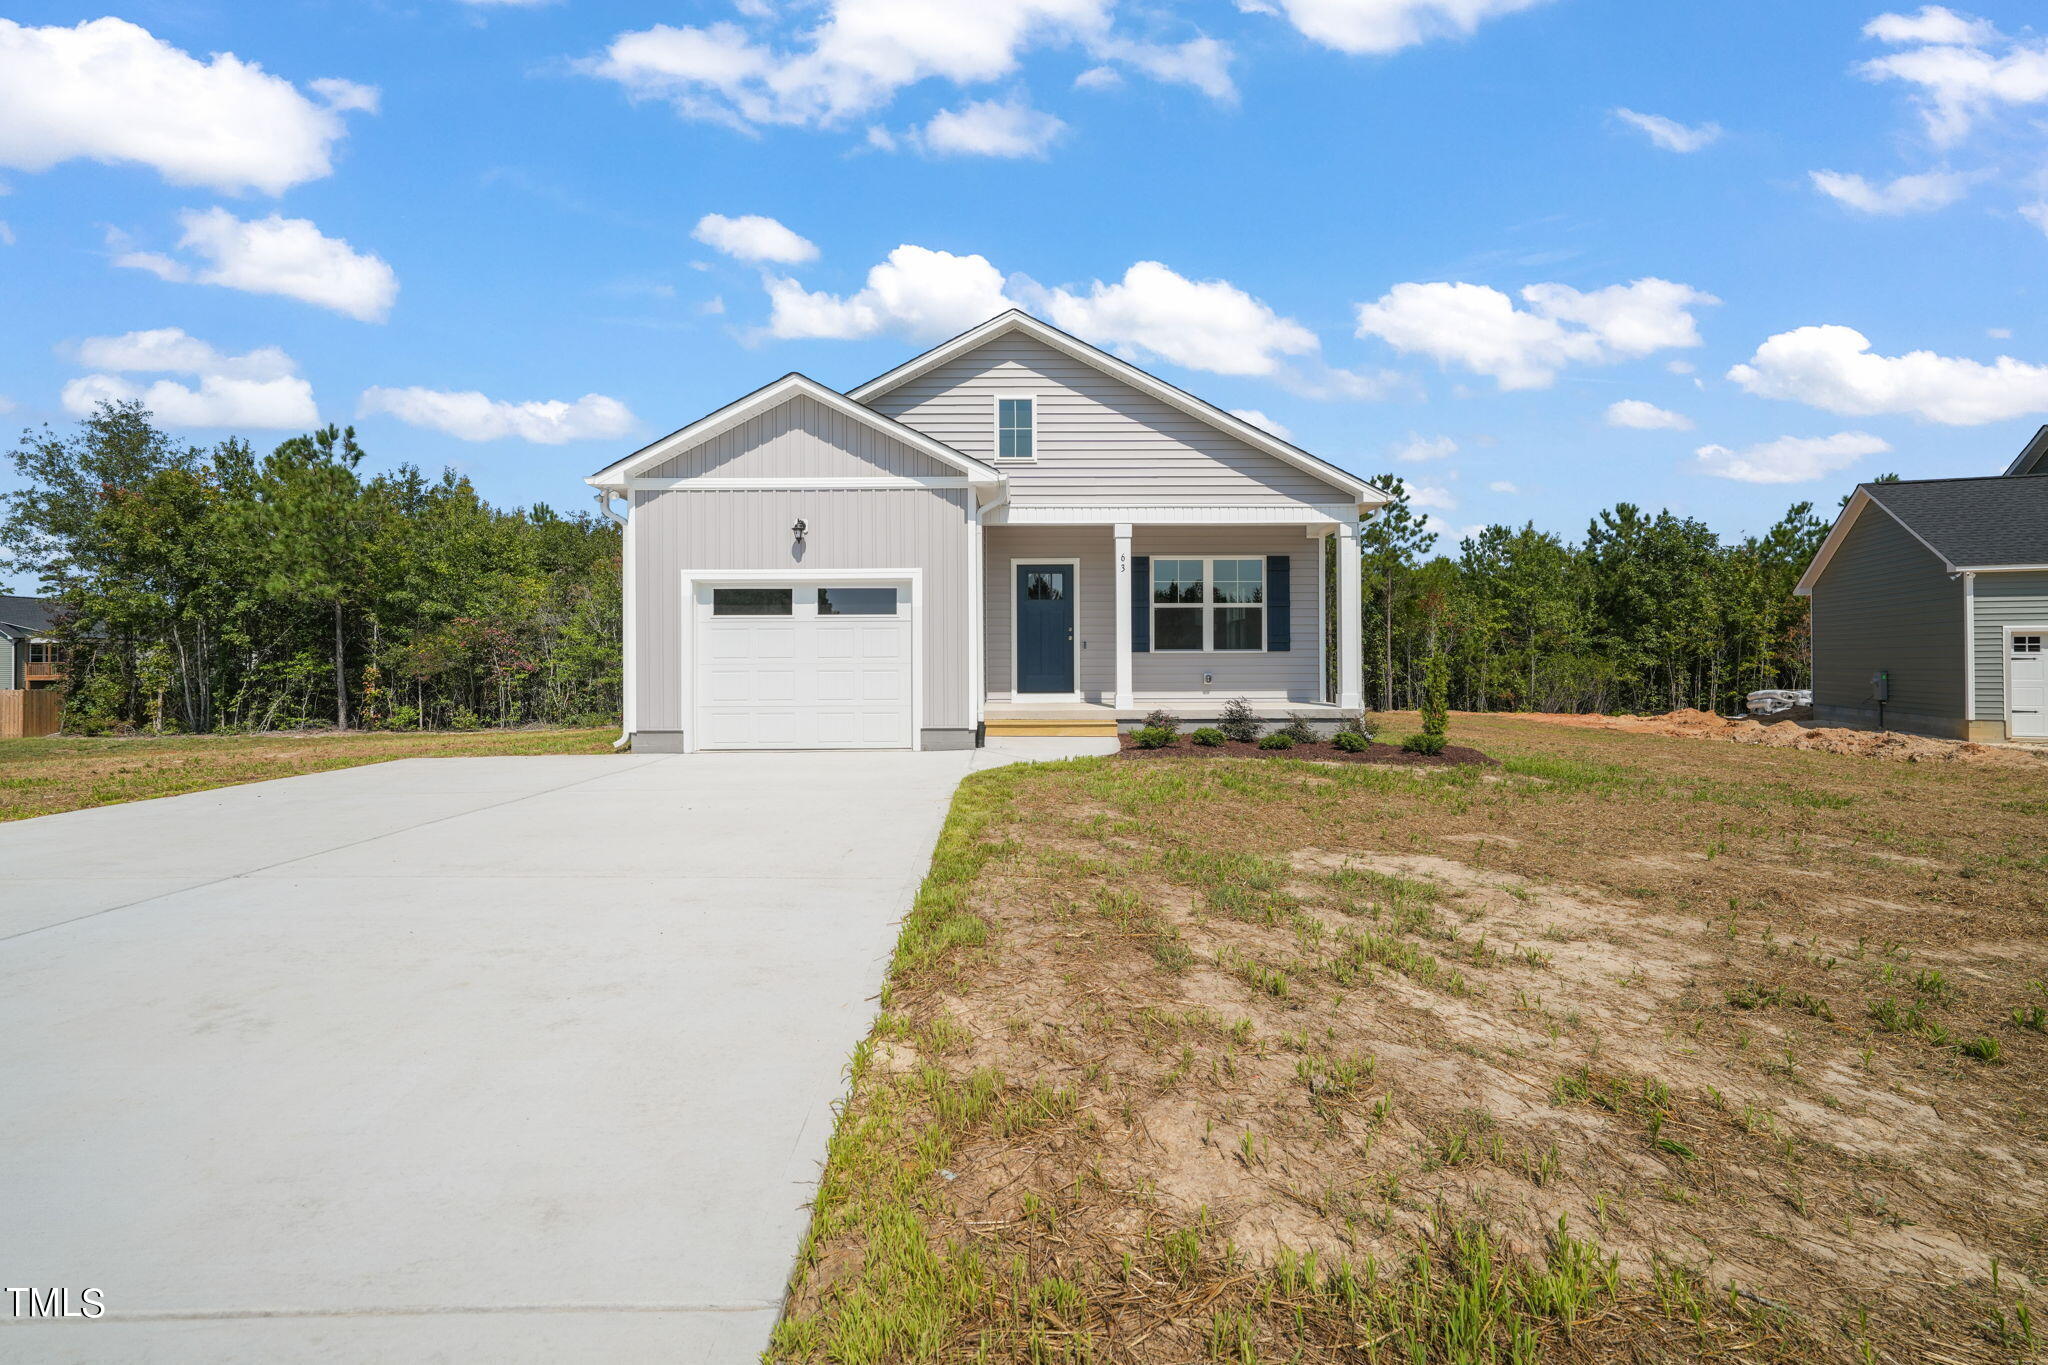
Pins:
x,y
1355,725
1424,743
1163,719
1208,737
1239,721
1436,700
1351,742
1154,737
1279,739
1298,730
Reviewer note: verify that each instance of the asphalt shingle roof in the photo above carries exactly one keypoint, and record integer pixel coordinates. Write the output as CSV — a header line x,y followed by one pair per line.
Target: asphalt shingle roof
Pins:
x,y
1974,522
24,616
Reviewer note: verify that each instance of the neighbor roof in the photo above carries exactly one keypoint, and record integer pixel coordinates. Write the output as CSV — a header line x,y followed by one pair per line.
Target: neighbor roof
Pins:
x,y
1971,525
2033,459
1017,320
764,399
24,617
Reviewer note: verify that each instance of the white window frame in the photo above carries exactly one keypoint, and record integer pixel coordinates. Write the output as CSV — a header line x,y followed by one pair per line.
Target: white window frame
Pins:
x,y
1207,605
995,420
1073,567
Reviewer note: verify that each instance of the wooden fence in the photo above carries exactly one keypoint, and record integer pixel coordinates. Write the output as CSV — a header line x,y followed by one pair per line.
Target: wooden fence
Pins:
x,y
25,714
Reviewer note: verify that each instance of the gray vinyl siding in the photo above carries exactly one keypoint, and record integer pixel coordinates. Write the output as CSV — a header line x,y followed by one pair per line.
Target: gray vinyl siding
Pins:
x,y
1886,602
802,438
2003,599
1292,675
724,531
11,659
1099,441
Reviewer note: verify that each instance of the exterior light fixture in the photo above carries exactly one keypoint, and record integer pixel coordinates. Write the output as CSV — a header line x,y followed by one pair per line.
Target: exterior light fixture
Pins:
x,y
798,530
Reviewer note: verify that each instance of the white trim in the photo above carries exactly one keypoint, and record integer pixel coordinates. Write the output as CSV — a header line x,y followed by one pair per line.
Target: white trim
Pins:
x,y
1350,622
766,399
1075,589
1110,514
1969,647
2006,568
1018,321
1209,607
1840,532
2011,631
995,428
818,482
629,604
1121,548
692,579
1323,618
977,592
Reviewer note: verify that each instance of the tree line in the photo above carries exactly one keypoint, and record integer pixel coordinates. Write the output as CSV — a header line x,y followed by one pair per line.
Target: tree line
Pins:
x,y
206,590
215,589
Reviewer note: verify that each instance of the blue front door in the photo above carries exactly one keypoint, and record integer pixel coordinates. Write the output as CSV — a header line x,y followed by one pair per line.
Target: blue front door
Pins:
x,y
1045,628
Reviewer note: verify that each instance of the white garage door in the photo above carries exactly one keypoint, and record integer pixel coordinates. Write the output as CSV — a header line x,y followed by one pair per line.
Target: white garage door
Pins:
x,y
2026,682
803,666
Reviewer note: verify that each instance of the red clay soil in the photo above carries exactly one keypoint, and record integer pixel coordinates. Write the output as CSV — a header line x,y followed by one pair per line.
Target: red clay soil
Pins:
x,y
1453,756
1687,723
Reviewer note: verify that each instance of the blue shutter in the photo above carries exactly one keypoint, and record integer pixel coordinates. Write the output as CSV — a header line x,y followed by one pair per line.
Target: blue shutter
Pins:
x,y
1279,604
1141,604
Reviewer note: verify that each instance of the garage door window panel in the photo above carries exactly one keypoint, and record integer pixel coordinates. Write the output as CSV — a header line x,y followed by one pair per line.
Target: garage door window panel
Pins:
x,y
753,601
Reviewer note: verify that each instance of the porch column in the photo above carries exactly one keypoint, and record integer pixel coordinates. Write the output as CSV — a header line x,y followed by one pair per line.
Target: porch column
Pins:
x,y
1350,620
1123,616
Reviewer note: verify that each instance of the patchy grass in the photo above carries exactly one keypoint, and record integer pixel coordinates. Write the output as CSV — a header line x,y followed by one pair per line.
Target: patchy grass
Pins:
x,y
1634,1048
58,773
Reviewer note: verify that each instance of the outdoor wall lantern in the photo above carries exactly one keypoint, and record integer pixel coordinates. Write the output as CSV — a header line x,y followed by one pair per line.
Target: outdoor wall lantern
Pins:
x,y
798,530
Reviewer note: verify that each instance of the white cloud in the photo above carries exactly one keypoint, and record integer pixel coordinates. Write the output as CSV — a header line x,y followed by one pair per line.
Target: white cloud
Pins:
x,y
1832,368
259,389
109,91
1432,495
864,52
916,292
1679,366
1637,415
1201,324
1669,134
2037,214
991,128
1960,69
1482,330
1382,26
1502,486
1921,193
1419,448
752,237
1262,422
1999,333
1099,78
470,416
1791,459
275,255
7,404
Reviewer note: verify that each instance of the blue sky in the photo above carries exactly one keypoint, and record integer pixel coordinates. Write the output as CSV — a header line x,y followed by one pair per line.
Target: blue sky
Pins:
x,y
1417,234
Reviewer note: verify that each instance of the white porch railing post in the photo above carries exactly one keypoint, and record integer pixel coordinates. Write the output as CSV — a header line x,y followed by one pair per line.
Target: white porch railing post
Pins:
x,y
1350,621
1123,615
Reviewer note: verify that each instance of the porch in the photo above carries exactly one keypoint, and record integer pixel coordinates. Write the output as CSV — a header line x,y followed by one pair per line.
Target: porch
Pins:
x,y
1102,719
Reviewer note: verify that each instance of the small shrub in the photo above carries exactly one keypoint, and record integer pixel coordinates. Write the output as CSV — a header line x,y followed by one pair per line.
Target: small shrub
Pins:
x,y
1355,725
1155,737
1279,739
1162,719
1424,743
1436,700
1239,721
1298,730
1209,737
1351,742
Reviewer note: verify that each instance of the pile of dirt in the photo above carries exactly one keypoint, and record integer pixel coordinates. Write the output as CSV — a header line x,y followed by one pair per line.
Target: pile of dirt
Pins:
x,y
1687,723
1453,756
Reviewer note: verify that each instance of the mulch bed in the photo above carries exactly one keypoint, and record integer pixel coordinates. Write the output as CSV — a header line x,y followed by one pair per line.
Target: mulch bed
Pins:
x,y
1453,756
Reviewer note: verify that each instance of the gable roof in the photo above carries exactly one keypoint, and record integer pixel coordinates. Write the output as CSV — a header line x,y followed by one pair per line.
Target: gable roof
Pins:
x,y
2033,459
614,476
23,617
1970,525
1016,320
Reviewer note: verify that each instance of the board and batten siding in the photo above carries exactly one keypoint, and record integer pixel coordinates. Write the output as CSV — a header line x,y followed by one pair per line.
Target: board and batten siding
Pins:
x,y
2002,600
802,438
718,531
1098,440
1293,675
1885,601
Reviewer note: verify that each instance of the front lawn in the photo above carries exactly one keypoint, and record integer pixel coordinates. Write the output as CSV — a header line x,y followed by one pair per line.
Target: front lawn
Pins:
x,y
1632,1048
60,772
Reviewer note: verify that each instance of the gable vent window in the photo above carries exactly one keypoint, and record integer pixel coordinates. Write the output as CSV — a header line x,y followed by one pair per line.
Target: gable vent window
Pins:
x,y
1016,419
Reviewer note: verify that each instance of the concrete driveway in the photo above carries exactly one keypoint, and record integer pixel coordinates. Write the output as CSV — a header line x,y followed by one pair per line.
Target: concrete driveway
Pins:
x,y
443,1059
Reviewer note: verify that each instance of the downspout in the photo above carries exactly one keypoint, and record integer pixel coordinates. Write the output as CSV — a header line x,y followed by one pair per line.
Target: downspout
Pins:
x,y
627,684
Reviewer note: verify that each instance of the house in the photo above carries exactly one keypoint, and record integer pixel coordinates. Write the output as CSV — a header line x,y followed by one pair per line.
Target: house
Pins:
x,y
1930,606
1014,532
29,656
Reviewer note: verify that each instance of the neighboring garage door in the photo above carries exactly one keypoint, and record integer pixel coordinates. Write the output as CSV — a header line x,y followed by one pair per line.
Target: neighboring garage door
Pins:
x,y
816,665
2026,685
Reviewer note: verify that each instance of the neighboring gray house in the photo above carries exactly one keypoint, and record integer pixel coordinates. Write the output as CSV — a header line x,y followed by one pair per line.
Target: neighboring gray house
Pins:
x,y
1941,587
1013,533
29,657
